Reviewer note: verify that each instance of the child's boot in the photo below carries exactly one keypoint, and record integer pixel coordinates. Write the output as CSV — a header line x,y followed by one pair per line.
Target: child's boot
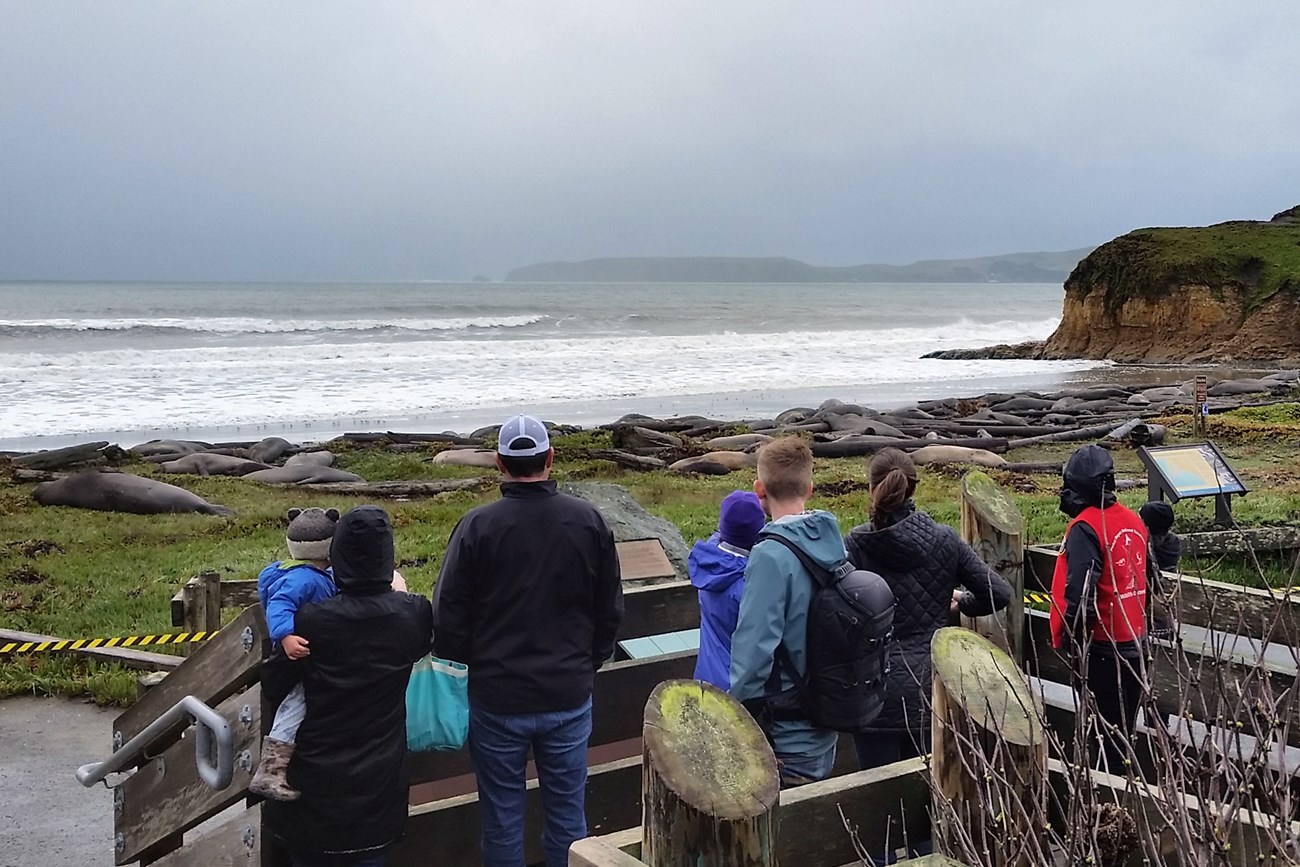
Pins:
x,y
270,780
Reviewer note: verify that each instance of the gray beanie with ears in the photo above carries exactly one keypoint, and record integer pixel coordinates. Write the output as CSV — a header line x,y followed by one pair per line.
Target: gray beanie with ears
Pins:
x,y
310,533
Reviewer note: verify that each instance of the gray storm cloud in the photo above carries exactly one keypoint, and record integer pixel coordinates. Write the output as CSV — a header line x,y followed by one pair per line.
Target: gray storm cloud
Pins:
x,y
368,140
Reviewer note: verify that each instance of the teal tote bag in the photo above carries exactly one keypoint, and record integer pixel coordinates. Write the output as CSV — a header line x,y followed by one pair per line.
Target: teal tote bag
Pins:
x,y
437,705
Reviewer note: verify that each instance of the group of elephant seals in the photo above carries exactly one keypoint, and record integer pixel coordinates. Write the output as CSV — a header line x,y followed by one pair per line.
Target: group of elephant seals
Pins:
x,y
122,492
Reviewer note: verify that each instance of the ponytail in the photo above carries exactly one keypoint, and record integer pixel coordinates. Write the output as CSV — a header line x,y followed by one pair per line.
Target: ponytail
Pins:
x,y
893,482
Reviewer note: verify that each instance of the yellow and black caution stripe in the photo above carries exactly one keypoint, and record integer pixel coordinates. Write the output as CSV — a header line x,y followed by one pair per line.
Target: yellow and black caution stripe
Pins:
x,y
10,647
1038,598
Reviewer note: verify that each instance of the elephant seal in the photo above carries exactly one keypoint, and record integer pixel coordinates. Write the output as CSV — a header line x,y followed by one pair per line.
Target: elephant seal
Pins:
x,y
1022,402
739,442
956,455
207,464
122,492
169,447
1233,387
707,463
483,458
795,415
270,449
311,459
302,474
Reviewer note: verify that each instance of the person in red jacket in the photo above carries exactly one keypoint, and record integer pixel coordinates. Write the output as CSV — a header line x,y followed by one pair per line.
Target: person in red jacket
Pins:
x,y
1099,597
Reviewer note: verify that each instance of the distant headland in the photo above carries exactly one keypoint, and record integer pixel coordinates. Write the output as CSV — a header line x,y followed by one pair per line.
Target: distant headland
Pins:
x,y
1005,268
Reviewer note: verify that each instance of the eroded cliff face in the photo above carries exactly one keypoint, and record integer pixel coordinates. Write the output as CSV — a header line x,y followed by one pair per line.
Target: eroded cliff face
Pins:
x,y
1189,323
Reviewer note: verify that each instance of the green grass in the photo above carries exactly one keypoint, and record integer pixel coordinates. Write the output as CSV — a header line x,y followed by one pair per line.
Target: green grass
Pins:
x,y
110,574
1259,259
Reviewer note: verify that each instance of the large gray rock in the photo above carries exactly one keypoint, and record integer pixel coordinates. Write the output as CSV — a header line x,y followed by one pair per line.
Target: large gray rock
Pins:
x,y
630,521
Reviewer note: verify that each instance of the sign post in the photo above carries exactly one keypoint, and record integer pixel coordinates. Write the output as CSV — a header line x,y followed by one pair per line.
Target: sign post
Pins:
x,y
1202,410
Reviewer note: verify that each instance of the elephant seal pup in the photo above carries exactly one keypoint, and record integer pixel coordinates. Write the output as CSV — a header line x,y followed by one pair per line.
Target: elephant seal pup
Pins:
x,y
122,492
311,459
483,458
303,474
168,447
269,449
207,464
705,463
956,455
738,442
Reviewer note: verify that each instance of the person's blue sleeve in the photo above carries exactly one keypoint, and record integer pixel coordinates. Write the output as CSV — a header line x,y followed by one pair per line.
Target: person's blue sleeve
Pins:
x,y
280,610
296,590
761,621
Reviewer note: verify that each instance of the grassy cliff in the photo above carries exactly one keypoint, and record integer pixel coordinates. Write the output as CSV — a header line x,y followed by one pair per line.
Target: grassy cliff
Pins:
x,y
1256,259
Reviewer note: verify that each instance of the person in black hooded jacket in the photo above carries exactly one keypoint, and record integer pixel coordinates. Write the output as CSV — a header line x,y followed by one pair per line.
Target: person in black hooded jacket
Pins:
x,y
350,760
924,563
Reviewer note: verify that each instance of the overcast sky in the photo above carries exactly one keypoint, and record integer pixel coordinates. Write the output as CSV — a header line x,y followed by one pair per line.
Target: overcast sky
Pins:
x,y
224,140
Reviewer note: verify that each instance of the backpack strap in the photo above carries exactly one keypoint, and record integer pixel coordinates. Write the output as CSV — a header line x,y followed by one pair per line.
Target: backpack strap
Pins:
x,y
822,577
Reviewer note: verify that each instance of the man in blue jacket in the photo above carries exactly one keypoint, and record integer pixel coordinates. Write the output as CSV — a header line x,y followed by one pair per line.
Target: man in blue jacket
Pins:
x,y
774,607
717,567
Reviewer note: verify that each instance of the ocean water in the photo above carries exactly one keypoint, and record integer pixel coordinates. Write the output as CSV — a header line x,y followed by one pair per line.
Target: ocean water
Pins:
x,y
129,362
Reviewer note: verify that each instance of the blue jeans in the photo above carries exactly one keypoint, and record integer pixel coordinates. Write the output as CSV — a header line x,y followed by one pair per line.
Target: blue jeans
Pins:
x,y
799,771
498,745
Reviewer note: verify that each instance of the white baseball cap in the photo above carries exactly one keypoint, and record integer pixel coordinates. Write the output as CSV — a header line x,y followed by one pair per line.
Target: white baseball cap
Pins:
x,y
523,436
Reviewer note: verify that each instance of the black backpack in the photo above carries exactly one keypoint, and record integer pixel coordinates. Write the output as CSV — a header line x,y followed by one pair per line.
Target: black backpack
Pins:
x,y
850,625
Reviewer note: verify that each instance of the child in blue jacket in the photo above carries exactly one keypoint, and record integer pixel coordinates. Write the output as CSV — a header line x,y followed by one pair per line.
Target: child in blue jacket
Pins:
x,y
284,587
717,568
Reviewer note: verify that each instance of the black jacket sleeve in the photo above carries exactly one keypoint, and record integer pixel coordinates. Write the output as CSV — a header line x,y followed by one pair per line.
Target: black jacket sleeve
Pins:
x,y
1083,560
608,602
986,590
453,598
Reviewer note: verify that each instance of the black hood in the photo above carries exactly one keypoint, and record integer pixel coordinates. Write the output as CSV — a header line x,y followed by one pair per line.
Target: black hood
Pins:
x,y
1089,480
362,551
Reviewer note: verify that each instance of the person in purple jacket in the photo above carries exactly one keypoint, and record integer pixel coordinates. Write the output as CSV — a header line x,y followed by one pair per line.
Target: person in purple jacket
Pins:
x,y
717,567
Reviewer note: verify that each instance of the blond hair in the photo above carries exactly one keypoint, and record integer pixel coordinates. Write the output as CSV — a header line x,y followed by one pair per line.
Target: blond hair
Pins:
x,y
785,467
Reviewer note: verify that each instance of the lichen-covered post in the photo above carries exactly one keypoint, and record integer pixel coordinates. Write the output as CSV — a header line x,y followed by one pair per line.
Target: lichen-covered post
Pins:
x,y
991,523
989,765
709,781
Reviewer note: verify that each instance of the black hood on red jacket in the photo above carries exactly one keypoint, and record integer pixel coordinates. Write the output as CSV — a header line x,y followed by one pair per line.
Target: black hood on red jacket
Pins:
x,y
1088,480
362,552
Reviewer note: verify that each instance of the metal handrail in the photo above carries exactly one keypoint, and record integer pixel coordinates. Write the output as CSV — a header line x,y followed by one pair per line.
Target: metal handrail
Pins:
x,y
212,736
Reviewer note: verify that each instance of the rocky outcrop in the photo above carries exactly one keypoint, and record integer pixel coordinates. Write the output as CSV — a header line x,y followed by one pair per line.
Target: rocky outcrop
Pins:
x,y
1229,292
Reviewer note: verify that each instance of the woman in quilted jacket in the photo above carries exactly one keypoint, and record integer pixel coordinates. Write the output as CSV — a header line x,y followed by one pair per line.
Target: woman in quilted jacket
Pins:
x,y
931,571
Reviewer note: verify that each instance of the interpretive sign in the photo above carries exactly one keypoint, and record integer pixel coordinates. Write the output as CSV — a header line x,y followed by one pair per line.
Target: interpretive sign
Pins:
x,y
1194,470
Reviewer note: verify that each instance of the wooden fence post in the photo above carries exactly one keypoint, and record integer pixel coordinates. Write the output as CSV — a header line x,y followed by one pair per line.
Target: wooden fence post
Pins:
x,y
709,781
989,763
201,597
991,523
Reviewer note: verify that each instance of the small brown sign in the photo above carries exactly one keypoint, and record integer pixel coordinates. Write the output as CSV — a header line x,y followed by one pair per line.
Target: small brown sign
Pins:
x,y
643,558
1202,391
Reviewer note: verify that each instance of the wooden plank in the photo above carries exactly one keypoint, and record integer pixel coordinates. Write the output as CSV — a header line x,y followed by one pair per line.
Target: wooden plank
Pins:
x,y
658,609
201,606
643,559
235,843
166,795
222,667
126,656
1273,615
886,807
1218,672
618,699
1241,541
238,594
595,852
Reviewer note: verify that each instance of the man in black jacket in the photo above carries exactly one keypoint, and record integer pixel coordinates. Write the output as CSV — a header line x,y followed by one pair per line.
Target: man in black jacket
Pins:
x,y
529,597
350,759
